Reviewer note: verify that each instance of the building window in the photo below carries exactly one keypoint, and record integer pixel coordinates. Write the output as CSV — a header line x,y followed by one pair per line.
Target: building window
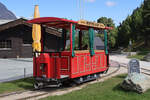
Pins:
x,y
5,44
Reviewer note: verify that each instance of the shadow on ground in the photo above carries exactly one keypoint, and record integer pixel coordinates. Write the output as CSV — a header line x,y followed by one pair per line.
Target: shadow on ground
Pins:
x,y
118,87
26,83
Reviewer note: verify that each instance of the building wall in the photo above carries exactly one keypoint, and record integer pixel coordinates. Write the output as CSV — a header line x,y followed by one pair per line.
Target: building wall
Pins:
x,y
26,51
13,52
18,49
17,35
21,41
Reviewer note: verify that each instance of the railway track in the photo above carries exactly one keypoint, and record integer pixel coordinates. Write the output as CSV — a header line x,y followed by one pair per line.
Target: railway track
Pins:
x,y
77,87
143,70
36,94
52,91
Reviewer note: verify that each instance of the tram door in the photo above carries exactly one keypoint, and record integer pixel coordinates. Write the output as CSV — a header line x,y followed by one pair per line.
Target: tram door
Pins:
x,y
60,66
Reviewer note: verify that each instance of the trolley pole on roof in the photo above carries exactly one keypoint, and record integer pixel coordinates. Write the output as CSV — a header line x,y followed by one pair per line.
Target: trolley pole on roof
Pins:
x,y
36,2
81,7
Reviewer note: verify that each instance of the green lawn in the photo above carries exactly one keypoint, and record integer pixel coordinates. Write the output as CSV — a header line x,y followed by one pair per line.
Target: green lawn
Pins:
x,y
18,85
107,90
140,55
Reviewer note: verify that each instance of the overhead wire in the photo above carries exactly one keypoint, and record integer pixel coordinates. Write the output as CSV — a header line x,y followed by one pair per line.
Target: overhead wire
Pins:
x,y
81,8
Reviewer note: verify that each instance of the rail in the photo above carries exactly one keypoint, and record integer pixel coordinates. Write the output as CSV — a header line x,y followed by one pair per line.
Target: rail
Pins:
x,y
55,90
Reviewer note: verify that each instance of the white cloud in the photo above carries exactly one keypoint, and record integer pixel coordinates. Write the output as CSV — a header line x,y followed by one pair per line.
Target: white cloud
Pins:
x,y
110,3
90,0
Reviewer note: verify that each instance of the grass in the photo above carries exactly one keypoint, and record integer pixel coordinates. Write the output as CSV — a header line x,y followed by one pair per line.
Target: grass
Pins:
x,y
17,85
140,55
107,90
140,48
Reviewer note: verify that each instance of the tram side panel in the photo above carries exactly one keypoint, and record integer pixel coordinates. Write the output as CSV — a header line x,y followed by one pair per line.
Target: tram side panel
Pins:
x,y
84,64
58,66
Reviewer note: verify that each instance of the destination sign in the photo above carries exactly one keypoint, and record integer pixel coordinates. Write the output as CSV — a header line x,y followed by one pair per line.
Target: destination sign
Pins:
x,y
91,24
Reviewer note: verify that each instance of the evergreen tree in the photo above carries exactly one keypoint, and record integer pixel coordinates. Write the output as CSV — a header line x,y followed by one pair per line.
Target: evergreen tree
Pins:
x,y
135,27
146,22
136,24
124,31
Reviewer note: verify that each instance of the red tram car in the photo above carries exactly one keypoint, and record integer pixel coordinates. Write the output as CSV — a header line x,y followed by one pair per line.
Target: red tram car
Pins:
x,y
54,68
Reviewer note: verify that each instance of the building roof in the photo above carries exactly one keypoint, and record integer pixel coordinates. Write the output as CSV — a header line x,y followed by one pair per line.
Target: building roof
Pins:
x,y
13,23
2,21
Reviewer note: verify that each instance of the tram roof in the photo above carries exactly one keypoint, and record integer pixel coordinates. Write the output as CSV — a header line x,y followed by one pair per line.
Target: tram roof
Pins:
x,y
65,23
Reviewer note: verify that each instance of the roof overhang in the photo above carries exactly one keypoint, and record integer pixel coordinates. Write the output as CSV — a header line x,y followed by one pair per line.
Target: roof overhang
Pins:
x,y
65,23
23,21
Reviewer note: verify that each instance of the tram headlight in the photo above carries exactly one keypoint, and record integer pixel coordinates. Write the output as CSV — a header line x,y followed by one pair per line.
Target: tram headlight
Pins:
x,y
44,76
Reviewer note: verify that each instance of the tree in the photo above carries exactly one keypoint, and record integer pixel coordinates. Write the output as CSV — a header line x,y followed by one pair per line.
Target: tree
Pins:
x,y
136,24
136,27
146,22
124,31
112,33
106,21
131,28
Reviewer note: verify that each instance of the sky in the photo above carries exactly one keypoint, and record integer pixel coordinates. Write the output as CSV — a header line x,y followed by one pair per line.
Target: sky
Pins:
x,y
118,10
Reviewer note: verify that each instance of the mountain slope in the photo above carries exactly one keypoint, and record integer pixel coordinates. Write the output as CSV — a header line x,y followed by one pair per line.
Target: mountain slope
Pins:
x,y
5,13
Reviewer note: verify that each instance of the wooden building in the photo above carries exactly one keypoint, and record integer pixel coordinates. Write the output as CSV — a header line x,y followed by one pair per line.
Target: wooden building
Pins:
x,y
16,39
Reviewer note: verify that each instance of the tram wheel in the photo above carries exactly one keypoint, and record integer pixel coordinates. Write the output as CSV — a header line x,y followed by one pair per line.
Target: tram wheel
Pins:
x,y
38,85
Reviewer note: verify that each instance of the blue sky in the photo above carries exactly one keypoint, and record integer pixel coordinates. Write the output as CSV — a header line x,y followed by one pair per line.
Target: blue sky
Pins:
x,y
118,10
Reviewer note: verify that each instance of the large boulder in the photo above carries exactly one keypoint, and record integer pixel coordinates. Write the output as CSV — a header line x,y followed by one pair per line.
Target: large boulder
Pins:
x,y
136,82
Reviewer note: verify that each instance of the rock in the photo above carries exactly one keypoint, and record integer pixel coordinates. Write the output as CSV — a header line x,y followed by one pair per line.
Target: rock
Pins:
x,y
131,53
136,82
147,57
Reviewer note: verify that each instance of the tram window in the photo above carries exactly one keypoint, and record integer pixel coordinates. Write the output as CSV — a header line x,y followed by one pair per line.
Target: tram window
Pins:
x,y
85,40
99,47
98,43
85,47
67,45
51,43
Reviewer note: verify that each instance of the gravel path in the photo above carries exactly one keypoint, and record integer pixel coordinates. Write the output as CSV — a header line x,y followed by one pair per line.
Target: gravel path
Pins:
x,y
12,69
123,59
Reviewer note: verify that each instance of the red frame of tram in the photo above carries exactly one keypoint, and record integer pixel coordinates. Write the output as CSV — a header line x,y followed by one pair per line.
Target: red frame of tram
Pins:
x,y
61,65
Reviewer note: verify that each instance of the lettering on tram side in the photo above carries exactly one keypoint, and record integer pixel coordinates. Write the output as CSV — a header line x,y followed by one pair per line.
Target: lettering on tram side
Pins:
x,y
92,24
134,66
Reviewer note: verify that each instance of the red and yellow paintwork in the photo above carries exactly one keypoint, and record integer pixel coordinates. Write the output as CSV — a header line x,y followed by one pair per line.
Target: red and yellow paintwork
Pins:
x,y
58,65
64,64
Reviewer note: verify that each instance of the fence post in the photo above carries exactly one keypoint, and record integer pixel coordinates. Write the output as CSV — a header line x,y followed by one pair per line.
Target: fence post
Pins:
x,y
24,72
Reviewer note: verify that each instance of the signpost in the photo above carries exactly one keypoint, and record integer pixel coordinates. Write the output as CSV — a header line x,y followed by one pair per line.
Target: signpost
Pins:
x,y
130,47
134,66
